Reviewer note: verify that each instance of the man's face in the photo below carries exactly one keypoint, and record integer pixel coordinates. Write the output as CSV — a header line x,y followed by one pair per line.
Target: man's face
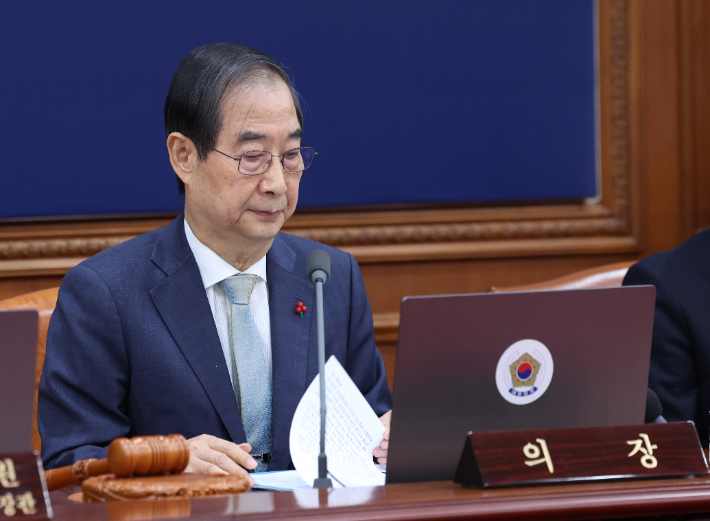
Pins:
x,y
226,205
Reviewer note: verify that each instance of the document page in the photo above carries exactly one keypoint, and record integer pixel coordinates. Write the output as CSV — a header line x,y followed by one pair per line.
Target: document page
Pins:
x,y
353,430
280,480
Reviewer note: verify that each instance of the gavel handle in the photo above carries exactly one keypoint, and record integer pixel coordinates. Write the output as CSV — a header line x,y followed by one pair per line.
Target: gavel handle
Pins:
x,y
140,456
75,474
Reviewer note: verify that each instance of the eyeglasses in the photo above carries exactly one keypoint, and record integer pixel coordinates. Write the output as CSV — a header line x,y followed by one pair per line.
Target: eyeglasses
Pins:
x,y
257,162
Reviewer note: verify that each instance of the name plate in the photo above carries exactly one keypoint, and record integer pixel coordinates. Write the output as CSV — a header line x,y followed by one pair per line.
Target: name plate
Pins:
x,y
23,493
496,459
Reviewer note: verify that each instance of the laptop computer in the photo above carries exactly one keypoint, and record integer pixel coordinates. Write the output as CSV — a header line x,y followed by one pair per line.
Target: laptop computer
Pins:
x,y
18,355
514,361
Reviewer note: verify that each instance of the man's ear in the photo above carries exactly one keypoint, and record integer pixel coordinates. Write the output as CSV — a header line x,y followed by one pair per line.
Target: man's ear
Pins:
x,y
183,156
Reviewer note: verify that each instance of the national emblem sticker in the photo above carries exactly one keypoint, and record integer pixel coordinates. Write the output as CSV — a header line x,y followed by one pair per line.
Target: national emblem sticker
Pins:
x,y
524,372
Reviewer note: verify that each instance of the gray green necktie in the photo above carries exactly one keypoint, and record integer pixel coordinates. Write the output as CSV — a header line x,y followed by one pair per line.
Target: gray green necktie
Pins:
x,y
252,390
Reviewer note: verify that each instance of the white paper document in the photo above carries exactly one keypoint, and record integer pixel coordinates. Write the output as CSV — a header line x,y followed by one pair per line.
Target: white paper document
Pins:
x,y
353,430
280,480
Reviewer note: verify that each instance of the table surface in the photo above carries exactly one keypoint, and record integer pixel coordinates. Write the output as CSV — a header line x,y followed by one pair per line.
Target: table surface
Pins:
x,y
432,500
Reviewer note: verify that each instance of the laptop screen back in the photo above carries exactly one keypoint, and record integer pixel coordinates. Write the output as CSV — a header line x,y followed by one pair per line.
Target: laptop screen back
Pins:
x,y
458,356
18,354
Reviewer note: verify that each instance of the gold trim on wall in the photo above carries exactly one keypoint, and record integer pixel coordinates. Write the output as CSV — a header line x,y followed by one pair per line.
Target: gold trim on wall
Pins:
x,y
604,226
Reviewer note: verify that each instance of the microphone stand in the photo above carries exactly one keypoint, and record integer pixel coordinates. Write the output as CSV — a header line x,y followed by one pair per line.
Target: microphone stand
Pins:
x,y
319,277
323,481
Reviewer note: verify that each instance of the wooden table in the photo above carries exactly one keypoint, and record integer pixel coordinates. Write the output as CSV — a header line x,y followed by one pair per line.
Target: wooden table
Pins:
x,y
417,501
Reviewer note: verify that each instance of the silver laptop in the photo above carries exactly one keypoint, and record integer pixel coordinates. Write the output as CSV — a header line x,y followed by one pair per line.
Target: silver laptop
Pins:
x,y
514,361
18,355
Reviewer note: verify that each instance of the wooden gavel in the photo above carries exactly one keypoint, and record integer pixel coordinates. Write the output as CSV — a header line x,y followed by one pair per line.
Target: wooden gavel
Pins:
x,y
140,456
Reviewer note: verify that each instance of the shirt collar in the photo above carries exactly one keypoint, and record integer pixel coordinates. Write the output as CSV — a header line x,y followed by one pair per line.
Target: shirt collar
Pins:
x,y
213,268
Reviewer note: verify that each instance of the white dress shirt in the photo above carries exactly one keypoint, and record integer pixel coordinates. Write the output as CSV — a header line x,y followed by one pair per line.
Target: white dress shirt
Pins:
x,y
214,269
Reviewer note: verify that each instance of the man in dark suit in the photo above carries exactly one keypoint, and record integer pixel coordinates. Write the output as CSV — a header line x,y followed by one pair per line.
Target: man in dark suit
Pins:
x,y
680,354
149,337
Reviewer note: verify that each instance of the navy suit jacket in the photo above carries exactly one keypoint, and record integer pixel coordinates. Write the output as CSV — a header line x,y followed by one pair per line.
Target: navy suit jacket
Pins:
x,y
680,354
132,347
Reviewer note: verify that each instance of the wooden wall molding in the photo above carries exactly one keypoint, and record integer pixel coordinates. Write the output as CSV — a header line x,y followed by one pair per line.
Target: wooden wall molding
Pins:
x,y
694,51
614,29
51,248
463,231
603,226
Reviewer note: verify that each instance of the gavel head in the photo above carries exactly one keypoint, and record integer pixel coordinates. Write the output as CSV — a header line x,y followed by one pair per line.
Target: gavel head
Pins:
x,y
148,455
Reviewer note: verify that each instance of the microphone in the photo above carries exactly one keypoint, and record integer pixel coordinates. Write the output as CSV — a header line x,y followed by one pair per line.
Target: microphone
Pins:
x,y
318,266
654,409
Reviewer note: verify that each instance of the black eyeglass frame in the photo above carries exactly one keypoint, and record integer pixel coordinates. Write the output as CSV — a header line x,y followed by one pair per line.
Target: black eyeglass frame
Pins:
x,y
268,163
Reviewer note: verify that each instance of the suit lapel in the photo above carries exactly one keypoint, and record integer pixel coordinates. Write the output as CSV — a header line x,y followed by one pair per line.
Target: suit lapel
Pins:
x,y
290,339
182,303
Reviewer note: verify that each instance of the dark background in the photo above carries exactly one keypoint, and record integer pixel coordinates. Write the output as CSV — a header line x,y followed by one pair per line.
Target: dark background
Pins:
x,y
406,102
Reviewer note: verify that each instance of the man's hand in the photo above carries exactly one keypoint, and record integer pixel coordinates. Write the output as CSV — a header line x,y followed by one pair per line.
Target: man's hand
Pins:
x,y
381,452
212,455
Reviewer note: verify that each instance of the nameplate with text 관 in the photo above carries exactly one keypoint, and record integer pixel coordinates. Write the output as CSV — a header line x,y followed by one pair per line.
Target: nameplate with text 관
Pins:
x,y
505,458
23,492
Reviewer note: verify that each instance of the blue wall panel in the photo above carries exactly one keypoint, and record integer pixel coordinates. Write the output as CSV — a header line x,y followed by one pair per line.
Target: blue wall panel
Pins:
x,y
406,102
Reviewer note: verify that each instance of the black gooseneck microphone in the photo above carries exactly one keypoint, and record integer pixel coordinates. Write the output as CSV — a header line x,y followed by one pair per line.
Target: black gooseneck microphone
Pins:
x,y
318,265
654,409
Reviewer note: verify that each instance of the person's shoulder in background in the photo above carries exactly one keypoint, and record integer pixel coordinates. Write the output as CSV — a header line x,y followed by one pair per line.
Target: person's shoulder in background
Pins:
x,y
680,266
680,352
